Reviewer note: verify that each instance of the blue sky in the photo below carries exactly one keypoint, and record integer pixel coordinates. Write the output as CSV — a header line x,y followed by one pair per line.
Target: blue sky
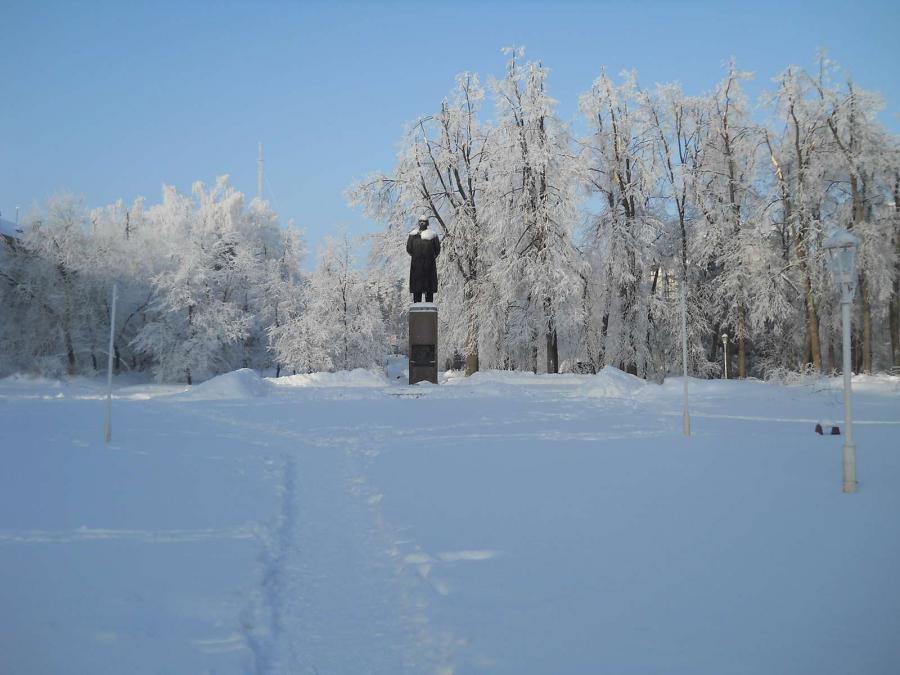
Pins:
x,y
111,100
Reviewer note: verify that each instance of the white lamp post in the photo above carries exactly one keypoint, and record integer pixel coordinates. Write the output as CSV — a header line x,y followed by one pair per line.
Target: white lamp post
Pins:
x,y
686,415
107,429
725,352
841,247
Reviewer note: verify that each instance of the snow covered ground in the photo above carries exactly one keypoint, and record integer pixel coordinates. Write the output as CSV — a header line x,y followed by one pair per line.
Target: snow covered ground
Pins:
x,y
506,523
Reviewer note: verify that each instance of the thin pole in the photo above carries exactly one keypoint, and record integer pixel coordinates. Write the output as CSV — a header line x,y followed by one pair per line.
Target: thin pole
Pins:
x,y
849,445
725,352
259,174
686,417
109,365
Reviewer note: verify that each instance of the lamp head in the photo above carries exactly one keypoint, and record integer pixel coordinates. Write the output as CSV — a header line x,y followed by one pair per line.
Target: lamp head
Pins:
x,y
842,246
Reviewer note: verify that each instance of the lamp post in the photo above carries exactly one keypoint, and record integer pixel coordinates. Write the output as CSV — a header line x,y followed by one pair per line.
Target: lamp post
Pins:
x,y
841,247
107,429
725,352
686,415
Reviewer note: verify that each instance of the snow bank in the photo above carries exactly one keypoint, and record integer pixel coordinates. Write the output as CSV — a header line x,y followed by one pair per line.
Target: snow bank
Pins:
x,y
243,383
879,383
360,377
612,383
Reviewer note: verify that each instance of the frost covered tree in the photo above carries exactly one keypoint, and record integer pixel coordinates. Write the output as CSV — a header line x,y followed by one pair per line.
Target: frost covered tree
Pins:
x,y
534,207
623,232
200,278
858,183
681,127
341,326
228,274
797,154
197,311
731,245
126,252
52,296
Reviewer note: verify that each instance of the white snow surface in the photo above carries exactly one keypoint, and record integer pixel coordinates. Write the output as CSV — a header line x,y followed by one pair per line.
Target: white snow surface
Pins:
x,y
505,523
359,377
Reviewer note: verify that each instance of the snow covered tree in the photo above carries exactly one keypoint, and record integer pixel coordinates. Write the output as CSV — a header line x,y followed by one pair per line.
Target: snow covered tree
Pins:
x,y
196,312
798,162
621,240
51,297
228,275
534,207
341,326
859,164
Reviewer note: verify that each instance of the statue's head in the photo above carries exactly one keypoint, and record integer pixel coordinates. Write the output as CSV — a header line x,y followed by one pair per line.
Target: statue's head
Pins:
x,y
423,221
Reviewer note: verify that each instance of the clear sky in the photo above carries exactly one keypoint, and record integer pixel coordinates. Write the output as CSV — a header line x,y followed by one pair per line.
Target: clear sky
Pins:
x,y
111,100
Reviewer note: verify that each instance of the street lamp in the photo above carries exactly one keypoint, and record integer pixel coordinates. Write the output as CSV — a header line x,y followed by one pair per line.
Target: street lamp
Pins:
x,y
686,415
725,352
841,247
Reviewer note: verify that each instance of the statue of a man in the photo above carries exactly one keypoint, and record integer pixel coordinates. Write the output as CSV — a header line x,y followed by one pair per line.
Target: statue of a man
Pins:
x,y
424,247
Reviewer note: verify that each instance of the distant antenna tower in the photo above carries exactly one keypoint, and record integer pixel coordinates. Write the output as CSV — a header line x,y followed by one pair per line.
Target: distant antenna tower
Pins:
x,y
259,174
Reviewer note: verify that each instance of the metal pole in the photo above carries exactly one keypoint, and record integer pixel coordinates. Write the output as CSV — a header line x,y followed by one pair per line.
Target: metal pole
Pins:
x,y
109,365
686,417
725,352
849,446
259,174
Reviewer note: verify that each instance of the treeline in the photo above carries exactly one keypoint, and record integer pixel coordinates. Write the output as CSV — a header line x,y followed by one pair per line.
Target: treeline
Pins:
x,y
570,250
561,250
206,284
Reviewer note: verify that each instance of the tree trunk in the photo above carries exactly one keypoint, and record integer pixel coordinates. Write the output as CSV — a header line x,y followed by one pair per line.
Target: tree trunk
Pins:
x,y
471,328
866,325
812,320
714,345
552,344
71,363
552,351
742,341
894,321
812,331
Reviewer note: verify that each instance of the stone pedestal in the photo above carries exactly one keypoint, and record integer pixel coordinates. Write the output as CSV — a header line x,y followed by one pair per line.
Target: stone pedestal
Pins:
x,y
423,342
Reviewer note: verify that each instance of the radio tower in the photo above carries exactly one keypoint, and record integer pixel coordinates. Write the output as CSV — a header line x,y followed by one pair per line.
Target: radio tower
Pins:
x,y
259,174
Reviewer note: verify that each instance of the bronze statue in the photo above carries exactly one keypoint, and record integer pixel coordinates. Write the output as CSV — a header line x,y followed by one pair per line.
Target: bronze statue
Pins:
x,y
424,247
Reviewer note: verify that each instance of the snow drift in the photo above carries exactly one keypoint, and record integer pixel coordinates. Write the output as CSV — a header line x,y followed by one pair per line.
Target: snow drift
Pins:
x,y
238,384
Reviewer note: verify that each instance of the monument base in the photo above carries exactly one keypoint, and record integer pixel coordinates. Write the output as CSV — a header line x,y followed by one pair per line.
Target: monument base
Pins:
x,y
423,342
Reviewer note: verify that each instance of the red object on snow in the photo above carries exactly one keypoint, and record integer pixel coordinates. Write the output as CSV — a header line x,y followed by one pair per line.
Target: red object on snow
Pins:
x,y
819,430
835,431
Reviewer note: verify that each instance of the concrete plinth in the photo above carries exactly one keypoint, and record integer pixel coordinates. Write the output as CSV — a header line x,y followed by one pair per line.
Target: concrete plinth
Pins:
x,y
423,342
